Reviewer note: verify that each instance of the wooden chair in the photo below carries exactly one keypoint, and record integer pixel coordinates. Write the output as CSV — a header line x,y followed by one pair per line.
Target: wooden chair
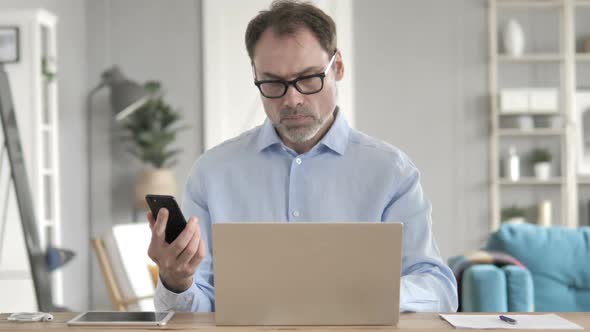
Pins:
x,y
123,258
119,302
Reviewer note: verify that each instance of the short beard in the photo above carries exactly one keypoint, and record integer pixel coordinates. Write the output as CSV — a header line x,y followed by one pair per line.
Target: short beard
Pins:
x,y
299,134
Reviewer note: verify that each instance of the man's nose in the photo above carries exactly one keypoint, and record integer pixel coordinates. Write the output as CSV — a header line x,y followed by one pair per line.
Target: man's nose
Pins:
x,y
292,97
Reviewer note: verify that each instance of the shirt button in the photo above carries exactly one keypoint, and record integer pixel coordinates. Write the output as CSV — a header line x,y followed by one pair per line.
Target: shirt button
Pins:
x,y
298,161
295,213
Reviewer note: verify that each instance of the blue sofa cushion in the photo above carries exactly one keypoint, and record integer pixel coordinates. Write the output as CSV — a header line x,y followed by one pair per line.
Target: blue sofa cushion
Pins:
x,y
492,297
558,259
519,286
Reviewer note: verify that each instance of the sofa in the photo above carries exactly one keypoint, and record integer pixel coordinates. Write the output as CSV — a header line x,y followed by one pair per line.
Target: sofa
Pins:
x,y
552,273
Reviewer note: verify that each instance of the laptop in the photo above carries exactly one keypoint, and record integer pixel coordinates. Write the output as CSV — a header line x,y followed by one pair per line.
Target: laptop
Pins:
x,y
307,273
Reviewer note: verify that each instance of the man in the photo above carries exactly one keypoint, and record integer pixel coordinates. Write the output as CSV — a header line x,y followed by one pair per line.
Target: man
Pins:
x,y
303,164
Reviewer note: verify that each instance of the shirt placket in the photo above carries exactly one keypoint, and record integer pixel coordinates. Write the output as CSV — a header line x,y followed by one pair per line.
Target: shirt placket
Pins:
x,y
294,212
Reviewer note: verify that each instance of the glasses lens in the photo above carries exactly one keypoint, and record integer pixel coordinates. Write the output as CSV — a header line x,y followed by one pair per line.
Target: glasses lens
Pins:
x,y
272,89
309,85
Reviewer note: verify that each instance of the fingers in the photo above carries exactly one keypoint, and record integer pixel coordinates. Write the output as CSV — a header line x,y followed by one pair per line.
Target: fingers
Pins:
x,y
185,236
161,221
199,256
151,219
191,249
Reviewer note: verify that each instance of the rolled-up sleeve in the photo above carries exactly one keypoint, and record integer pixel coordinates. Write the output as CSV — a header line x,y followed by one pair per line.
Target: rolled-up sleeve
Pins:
x,y
200,296
427,283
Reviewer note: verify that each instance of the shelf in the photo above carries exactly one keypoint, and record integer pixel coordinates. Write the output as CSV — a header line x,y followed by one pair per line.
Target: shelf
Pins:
x,y
545,113
583,57
535,132
46,128
531,182
532,58
584,180
530,3
582,3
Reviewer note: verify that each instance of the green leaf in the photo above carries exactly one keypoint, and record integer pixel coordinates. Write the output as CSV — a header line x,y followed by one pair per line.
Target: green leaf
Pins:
x,y
150,131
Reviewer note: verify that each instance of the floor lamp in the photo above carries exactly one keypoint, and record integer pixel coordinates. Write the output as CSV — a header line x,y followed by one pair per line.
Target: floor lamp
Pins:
x,y
126,97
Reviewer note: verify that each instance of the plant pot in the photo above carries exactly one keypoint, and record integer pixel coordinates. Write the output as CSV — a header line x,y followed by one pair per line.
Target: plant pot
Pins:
x,y
160,181
513,39
543,171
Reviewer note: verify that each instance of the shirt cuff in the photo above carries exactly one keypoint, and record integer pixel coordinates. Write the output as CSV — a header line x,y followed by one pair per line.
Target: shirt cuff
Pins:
x,y
167,300
415,299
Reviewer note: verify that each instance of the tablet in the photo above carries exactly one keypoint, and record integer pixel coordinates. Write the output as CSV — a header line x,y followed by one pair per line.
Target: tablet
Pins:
x,y
146,318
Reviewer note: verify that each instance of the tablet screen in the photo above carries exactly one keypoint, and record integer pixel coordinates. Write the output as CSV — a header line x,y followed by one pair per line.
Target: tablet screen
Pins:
x,y
108,317
97,316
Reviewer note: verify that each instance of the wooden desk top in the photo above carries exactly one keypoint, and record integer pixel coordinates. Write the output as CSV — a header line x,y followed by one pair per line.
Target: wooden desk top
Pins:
x,y
203,322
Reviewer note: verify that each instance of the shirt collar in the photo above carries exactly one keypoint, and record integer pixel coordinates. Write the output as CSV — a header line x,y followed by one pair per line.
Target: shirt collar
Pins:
x,y
336,139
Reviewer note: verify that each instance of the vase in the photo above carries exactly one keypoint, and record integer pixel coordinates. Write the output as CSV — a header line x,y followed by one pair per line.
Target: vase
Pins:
x,y
526,122
543,171
513,38
160,181
544,213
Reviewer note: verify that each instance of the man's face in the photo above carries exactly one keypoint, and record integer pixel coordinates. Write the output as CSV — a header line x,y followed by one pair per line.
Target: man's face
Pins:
x,y
297,117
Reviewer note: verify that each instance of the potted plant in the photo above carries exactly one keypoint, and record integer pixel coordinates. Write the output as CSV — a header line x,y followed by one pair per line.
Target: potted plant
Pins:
x,y
513,214
150,132
541,161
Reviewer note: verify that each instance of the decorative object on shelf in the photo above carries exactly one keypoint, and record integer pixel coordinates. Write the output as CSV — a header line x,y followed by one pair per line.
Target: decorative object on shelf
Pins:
x,y
9,45
513,38
525,122
48,68
529,99
544,213
512,165
548,121
514,100
543,100
151,130
514,215
541,161
582,130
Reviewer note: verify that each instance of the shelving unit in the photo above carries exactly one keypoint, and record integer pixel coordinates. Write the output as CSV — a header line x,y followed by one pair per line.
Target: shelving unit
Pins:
x,y
565,57
535,132
35,98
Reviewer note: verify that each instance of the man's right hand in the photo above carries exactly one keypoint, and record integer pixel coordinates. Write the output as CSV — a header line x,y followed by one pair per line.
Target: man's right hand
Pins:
x,y
177,261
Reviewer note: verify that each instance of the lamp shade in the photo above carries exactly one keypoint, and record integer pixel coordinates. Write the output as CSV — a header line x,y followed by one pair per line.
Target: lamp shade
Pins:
x,y
126,95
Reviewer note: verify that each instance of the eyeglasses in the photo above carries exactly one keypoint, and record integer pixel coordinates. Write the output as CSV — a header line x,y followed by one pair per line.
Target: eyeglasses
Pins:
x,y
307,85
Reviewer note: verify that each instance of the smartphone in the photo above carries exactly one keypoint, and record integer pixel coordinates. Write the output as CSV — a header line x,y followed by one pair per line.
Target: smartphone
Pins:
x,y
176,221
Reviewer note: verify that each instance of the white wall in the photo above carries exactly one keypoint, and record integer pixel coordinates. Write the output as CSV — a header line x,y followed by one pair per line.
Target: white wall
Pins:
x,y
421,85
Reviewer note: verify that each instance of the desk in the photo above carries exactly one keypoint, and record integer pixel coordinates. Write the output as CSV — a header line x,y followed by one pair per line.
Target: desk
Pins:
x,y
203,322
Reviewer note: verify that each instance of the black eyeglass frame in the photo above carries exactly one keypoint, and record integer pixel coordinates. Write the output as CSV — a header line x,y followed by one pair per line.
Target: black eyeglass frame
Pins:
x,y
294,82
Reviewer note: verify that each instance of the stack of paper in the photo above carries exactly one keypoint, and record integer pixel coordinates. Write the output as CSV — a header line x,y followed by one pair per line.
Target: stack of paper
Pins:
x,y
489,321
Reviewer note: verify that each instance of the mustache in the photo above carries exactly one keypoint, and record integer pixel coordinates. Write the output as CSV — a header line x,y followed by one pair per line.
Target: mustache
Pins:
x,y
290,111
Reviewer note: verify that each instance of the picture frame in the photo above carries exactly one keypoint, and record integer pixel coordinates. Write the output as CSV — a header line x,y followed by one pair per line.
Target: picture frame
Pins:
x,y
9,44
582,130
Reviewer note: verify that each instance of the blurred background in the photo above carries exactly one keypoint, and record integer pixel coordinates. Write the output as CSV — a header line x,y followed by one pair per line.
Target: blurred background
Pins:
x,y
451,83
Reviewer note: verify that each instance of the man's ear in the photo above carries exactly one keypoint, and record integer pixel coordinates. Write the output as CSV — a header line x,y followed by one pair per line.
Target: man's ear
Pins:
x,y
339,66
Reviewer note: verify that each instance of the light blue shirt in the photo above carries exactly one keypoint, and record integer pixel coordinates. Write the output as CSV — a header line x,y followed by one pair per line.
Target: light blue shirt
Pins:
x,y
347,176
